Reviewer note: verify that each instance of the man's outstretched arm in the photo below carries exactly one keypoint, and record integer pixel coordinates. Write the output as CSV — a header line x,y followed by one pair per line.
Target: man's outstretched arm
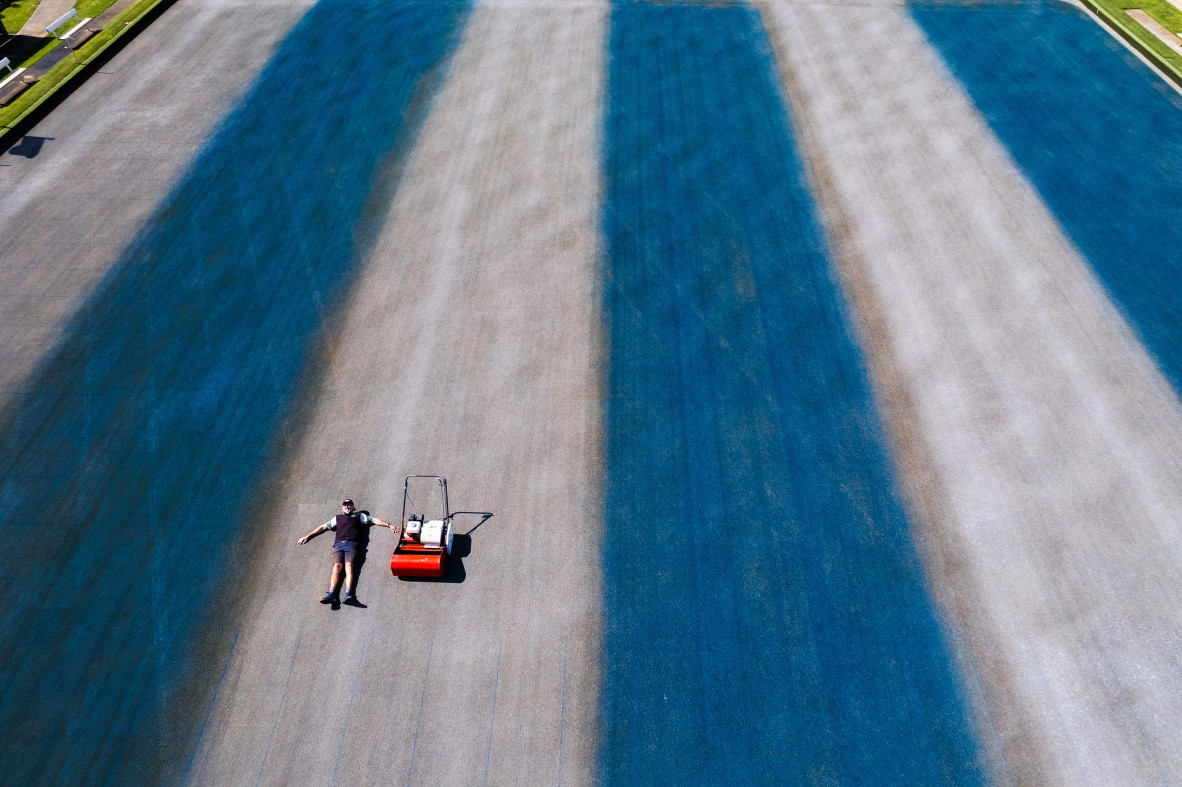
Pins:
x,y
377,521
313,534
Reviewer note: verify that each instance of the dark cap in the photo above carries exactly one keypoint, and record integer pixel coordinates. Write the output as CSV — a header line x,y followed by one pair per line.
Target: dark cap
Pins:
x,y
347,502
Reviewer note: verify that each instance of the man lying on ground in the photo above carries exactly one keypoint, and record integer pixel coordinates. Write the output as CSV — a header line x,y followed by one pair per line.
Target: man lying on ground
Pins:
x,y
352,529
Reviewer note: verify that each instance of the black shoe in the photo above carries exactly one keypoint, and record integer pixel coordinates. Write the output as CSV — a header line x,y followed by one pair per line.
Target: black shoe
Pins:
x,y
352,601
329,598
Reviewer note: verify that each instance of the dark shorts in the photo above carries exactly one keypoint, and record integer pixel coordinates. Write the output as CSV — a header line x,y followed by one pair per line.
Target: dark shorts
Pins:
x,y
344,552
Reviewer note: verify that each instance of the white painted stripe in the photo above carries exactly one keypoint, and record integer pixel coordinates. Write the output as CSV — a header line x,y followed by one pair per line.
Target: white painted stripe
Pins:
x,y
1040,446
469,348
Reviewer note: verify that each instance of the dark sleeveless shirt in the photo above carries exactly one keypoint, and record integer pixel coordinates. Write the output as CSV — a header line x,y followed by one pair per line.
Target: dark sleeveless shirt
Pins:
x,y
349,527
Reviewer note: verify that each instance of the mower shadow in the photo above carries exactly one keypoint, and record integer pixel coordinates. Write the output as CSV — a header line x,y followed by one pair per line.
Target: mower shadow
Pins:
x,y
468,516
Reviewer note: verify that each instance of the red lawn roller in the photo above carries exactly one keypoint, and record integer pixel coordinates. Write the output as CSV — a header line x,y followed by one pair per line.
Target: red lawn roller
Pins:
x,y
426,536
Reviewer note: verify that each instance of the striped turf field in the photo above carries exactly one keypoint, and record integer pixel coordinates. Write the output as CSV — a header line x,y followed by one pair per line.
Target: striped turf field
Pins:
x,y
765,612
816,371
139,441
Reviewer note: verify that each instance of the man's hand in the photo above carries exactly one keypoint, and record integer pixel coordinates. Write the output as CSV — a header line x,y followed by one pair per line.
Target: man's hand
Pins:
x,y
302,540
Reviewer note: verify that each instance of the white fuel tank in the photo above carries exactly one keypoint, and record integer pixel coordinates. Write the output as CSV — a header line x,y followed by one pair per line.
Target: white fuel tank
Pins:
x,y
432,535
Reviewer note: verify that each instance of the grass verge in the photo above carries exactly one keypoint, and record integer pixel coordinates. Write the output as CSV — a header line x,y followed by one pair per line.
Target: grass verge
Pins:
x,y
15,15
46,47
1112,13
32,99
87,9
92,8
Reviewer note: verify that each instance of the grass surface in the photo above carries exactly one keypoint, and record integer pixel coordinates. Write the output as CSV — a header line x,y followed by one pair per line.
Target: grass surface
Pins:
x,y
92,8
1160,10
48,46
15,15
60,73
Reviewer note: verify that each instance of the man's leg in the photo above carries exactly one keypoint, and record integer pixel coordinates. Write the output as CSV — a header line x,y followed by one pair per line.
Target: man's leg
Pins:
x,y
331,595
348,577
358,565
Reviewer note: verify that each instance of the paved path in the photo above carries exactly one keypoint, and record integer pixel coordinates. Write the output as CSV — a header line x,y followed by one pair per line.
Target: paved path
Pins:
x,y
60,53
48,11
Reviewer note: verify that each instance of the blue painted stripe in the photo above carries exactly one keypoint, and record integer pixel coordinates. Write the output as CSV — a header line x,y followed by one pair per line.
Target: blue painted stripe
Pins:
x,y
765,613
1098,135
130,466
